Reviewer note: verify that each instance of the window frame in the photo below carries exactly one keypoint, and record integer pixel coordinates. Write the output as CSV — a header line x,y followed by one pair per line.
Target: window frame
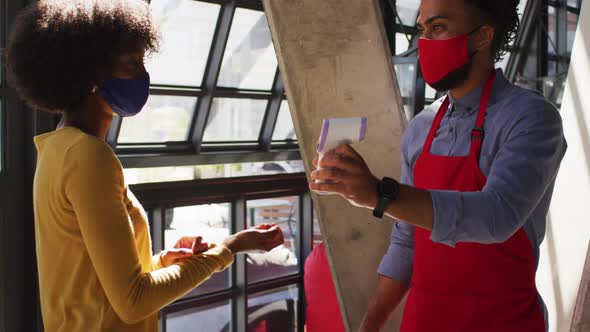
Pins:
x,y
157,197
194,150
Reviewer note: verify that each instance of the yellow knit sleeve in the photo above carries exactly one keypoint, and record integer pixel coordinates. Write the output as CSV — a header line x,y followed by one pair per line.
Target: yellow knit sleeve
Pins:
x,y
95,188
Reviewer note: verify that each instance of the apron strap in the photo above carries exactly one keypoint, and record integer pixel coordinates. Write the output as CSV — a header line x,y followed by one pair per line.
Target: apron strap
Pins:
x,y
436,123
477,134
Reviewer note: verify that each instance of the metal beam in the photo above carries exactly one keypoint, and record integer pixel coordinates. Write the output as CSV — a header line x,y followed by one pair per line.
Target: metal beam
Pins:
x,y
212,69
205,158
238,272
195,192
561,26
524,39
272,113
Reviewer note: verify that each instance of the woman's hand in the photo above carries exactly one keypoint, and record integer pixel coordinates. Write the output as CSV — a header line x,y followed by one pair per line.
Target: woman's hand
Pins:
x,y
185,247
173,256
263,237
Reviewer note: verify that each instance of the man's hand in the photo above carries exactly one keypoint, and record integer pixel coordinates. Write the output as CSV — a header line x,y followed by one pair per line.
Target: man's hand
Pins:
x,y
386,297
194,243
347,174
260,238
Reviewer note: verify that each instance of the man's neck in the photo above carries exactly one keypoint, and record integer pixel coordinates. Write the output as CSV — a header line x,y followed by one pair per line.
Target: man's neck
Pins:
x,y
477,76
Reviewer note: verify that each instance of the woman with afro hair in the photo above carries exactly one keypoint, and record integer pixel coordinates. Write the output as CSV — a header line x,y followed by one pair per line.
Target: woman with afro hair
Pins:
x,y
85,60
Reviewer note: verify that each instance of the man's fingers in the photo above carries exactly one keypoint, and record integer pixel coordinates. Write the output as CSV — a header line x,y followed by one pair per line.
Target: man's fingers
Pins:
x,y
333,160
337,188
332,174
347,150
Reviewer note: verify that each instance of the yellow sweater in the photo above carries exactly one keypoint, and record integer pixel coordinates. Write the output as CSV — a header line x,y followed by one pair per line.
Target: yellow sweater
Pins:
x,y
96,270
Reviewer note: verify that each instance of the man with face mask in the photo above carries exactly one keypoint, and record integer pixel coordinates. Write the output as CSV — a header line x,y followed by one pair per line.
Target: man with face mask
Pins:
x,y
478,172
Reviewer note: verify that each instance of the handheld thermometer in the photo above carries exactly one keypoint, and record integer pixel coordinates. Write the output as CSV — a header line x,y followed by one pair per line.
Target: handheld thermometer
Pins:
x,y
339,131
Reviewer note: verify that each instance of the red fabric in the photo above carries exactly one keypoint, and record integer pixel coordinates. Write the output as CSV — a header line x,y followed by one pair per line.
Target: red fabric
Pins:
x,y
472,287
323,311
438,58
261,327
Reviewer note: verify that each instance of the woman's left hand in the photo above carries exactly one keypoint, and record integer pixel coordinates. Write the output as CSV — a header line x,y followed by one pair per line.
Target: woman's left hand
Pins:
x,y
173,256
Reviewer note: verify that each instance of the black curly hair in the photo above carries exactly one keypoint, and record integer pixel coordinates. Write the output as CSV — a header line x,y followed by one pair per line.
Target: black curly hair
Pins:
x,y
503,15
57,50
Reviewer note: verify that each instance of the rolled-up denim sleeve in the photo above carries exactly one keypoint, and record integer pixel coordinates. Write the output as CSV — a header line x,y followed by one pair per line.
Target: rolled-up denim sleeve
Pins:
x,y
522,171
398,261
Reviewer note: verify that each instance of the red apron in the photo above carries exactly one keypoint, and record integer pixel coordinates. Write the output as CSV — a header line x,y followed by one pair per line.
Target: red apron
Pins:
x,y
472,287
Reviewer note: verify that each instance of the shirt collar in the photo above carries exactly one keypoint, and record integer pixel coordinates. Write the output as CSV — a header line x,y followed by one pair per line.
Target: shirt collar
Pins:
x,y
470,102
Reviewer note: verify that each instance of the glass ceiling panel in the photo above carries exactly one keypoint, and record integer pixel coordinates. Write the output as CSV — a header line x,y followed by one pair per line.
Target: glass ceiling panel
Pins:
x,y
236,120
249,61
186,28
163,119
284,129
401,43
408,11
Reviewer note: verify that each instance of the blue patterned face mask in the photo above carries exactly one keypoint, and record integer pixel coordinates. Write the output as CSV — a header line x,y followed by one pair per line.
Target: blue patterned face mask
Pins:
x,y
126,97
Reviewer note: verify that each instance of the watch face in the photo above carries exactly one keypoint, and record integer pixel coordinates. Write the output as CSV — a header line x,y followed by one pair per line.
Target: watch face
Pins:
x,y
389,188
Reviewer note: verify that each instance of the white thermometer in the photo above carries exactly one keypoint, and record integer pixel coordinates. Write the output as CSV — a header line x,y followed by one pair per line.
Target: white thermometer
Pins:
x,y
339,131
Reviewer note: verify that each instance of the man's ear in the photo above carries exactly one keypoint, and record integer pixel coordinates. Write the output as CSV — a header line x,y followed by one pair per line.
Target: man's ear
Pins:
x,y
483,37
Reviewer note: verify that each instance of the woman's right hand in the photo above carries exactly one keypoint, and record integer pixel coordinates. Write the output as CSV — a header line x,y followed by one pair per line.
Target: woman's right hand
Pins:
x,y
263,237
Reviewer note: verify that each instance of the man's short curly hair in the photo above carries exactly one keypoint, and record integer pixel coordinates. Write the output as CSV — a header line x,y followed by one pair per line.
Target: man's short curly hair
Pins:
x,y
58,50
503,15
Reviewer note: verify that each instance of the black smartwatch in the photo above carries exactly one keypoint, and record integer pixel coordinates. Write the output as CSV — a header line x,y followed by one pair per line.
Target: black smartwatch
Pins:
x,y
387,192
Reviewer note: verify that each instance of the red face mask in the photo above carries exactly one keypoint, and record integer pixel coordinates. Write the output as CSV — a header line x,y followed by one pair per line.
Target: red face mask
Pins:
x,y
438,58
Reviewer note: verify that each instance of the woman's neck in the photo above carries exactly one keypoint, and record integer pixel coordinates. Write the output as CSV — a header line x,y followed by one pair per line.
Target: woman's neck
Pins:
x,y
93,117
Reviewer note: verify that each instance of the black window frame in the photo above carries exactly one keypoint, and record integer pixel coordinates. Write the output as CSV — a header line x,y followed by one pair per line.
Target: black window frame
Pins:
x,y
194,151
157,197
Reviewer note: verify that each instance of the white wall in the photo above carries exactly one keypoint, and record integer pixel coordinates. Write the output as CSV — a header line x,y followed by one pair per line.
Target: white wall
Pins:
x,y
564,249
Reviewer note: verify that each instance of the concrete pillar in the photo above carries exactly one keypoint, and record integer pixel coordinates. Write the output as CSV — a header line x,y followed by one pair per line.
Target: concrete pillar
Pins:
x,y
335,62
568,232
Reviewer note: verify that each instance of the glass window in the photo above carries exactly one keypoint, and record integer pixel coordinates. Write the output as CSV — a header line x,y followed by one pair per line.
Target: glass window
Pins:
x,y
551,30
401,43
504,62
196,172
214,318
408,11
274,310
317,232
281,261
163,119
429,92
187,29
406,79
249,61
572,25
212,222
233,119
284,129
